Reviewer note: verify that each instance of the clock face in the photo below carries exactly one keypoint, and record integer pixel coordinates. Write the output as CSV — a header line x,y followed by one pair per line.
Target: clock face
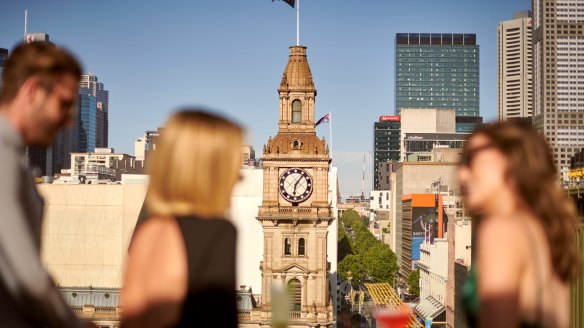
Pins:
x,y
295,185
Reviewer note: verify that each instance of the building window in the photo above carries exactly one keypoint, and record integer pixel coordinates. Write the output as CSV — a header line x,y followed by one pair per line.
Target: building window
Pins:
x,y
296,111
301,247
287,247
295,290
296,144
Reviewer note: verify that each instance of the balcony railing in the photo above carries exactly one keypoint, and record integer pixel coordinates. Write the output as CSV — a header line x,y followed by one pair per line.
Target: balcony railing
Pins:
x,y
294,315
317,212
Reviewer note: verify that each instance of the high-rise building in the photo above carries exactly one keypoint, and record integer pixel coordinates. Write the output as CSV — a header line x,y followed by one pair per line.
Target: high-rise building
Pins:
x,y
85,140
3,57
41,159
386,143
558,60
90,85
515,67
437,70
145,145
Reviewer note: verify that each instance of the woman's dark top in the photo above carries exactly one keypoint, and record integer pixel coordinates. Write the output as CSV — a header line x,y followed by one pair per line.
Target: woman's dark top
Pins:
x,y
471,299
210,247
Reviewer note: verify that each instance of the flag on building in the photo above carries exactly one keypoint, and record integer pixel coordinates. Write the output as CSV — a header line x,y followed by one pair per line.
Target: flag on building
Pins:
x,y
323,119
290,2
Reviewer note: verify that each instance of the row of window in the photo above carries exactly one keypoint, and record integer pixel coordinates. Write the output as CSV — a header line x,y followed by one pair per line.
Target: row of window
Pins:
x,y
288,247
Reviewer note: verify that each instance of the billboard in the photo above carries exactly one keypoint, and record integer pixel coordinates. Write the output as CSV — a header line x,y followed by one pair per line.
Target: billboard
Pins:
x,y
389,118
423,221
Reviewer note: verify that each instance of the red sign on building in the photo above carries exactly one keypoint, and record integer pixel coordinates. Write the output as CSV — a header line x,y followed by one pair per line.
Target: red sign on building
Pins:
x,y
389,118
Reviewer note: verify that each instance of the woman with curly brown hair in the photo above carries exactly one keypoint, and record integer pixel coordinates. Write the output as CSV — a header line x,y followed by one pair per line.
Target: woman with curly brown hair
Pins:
x,y
525,251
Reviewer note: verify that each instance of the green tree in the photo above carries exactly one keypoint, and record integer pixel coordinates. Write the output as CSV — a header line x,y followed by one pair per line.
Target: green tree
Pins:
x,y
350,218
365,220
364,240
380,263
352,263
414,282
344,248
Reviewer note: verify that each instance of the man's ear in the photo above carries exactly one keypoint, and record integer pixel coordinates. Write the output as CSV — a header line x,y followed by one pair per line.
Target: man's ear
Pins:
x,y
29,89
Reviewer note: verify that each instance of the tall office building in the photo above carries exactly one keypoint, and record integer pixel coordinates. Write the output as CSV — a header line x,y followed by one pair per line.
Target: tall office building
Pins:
x,y
558,59
90,85
386,145
515,67
3,57
85,126
40,159
438,71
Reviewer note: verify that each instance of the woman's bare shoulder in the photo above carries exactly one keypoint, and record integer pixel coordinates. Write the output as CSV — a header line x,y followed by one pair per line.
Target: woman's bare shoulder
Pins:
x,y
158,247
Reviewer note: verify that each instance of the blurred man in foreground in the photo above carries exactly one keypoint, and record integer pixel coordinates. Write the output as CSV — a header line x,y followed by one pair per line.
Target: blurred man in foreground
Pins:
x,y
40,87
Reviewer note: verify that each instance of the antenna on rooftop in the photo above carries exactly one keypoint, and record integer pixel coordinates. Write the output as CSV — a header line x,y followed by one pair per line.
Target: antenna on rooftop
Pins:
x,y
25,21
363,181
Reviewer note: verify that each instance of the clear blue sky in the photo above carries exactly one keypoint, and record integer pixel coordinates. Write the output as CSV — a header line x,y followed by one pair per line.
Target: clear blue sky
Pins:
x,y
229,56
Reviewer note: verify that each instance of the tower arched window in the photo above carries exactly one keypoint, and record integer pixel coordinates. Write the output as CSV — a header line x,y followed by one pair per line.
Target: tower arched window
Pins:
x,y
295,290
301,247
296,111
287,246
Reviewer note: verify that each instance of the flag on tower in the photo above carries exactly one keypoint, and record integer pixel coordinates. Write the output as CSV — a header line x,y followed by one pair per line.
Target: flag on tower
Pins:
x,y
323,119
290,2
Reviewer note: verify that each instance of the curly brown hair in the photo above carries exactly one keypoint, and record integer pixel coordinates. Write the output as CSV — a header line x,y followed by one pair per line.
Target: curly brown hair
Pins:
x,y
532,168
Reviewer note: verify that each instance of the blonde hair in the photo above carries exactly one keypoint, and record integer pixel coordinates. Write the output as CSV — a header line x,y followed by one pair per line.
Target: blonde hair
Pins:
x,y
195,165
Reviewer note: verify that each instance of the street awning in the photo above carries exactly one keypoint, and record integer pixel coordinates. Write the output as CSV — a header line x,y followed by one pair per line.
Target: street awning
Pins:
x,y
429,308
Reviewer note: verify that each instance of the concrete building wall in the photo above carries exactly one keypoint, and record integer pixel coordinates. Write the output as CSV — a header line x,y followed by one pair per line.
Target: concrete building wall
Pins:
x,y
558,55
434,270
87,230
393,213
426,120
515,68
417,177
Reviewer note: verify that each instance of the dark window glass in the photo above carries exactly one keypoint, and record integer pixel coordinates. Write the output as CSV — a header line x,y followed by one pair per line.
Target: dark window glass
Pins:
x,y
470,39
446,39
435,39
424,38
287,247
414,38
301,247
296,111
402,38
457,39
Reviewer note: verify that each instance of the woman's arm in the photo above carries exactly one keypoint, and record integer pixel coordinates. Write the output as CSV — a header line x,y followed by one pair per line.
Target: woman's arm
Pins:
x,y
499,261
156,275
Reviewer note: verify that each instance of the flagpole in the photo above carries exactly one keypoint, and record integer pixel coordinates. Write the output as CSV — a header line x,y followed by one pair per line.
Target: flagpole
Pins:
x,y
297,22
331,136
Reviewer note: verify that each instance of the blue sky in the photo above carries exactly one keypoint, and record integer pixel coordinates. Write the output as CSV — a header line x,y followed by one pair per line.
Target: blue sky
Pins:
x,y
229,56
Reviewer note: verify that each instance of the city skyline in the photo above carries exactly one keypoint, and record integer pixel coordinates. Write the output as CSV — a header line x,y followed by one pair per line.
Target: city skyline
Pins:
x,y
228,56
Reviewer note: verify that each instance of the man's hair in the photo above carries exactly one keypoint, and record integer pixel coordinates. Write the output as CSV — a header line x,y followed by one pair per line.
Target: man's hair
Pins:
x,y
43,60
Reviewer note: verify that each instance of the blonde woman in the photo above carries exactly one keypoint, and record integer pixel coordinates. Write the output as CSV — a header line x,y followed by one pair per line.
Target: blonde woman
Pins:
x,y
181,266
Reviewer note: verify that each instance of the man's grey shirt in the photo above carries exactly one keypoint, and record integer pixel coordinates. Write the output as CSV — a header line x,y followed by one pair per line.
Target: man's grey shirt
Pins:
x,y
28,296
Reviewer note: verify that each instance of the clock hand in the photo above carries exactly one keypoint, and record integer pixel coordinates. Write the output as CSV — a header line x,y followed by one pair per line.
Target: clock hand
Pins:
x,y
295,185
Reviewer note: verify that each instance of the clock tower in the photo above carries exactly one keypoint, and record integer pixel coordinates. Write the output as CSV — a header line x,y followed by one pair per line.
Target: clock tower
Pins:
x,y
295,212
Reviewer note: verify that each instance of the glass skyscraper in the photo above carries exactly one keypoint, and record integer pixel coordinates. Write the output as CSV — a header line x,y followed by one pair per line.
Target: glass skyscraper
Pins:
x,y
90,84
84,140
438,71
386,144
